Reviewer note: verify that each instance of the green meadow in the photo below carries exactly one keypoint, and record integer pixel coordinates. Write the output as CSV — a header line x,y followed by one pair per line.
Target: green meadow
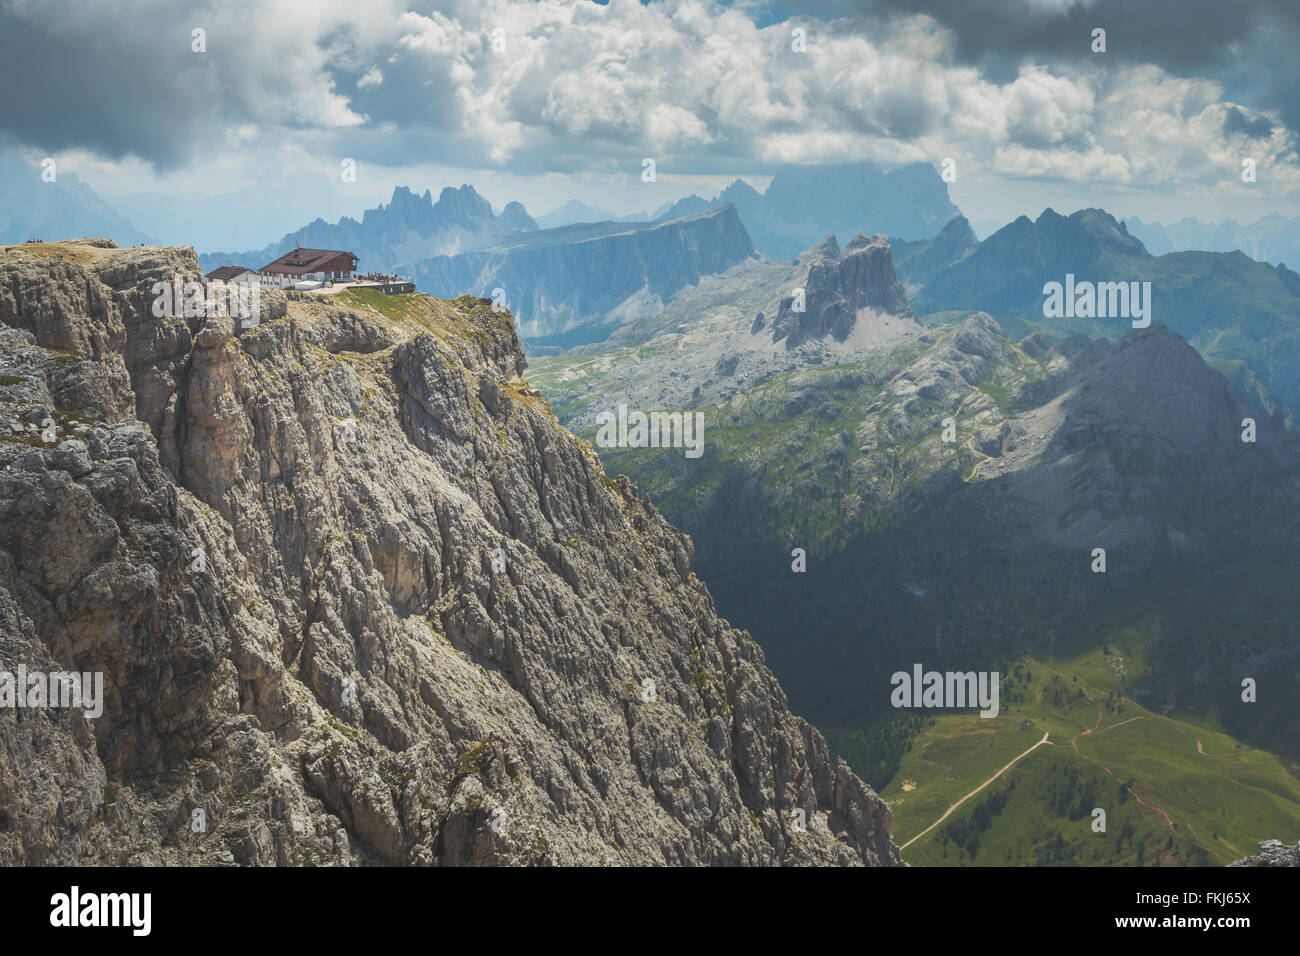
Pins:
x,y
1176,789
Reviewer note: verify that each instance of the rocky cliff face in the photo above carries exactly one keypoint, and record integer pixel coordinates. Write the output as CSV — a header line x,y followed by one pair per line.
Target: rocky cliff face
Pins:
x,y
358,598
557,280
838,287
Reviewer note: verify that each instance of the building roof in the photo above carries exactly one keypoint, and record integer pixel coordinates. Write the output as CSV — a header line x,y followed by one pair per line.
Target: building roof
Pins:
x,y
299,262
226,273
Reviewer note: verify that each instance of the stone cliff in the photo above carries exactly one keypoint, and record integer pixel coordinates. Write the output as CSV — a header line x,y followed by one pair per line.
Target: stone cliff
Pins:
x,y
838,288
358,599
556,280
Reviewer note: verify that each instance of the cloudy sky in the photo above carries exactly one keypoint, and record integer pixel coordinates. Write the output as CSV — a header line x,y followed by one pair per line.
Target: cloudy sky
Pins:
x,y
548,101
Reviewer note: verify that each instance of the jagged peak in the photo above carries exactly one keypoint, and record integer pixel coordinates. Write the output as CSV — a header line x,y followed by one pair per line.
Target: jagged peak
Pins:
x,y
828,248
861,241
739,187
958,227
837,286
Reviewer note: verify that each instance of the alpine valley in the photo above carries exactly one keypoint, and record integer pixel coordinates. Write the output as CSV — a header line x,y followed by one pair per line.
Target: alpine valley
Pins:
x,y
918,466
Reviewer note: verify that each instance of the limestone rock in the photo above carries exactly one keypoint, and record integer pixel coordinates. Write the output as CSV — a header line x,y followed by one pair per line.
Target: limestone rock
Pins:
x,y
1272,853
359,599
838,288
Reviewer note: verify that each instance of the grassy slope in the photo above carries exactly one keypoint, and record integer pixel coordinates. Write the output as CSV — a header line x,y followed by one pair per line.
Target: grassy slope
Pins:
x,y
1214,806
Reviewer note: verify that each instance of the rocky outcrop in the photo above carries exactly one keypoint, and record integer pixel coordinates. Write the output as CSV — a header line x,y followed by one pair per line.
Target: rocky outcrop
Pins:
x,y
838,287
1272,853
358,599
411,226
516,217
556,280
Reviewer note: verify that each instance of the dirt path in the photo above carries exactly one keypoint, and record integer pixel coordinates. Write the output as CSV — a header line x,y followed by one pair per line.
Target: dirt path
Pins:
x,y
970,447
1200,749
1160,814
1122,723
949,811
1074,741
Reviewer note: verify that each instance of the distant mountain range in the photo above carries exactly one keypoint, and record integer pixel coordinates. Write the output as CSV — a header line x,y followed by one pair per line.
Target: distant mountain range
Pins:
x,y
1274,238
800,206
577,211
576,284
804,203
574,281
1231,307
64,209
573,284
918,261
411,226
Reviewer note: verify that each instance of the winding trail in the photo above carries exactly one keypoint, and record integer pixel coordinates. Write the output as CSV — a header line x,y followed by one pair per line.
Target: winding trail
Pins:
x,y
1200,749
948,812
970,446
1074,741
1160,814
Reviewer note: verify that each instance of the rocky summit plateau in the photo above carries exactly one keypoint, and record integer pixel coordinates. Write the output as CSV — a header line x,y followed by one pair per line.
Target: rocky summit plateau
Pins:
x,y
358,598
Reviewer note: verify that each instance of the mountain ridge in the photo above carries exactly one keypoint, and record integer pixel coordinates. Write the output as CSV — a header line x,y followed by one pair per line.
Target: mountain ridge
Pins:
x,y
1232,308
359,599
804,203
1273,238
410,225
592,274
33,209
